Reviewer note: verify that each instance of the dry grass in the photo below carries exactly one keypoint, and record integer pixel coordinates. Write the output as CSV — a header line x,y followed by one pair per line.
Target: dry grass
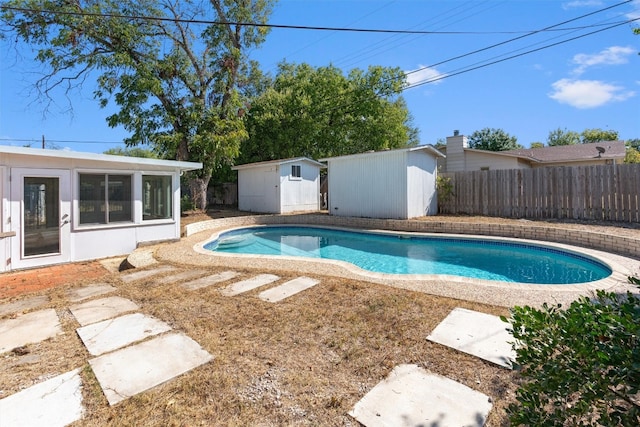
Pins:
x,y
304,361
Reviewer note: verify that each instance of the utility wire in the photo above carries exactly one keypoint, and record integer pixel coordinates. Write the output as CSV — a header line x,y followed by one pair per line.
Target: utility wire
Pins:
x,y
277,26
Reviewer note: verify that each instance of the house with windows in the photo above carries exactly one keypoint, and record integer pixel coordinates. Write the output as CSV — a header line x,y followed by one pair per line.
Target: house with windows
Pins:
x,y
279,186
461,158
64,206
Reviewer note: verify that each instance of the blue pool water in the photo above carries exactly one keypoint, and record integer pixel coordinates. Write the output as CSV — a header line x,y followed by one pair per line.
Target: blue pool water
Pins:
x,y
403,254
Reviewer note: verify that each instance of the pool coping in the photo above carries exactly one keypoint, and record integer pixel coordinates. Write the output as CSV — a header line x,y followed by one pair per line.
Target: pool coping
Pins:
x,y
189,251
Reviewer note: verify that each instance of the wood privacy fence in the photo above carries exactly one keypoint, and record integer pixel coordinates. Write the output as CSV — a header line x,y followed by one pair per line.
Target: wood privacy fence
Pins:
x,y
603,192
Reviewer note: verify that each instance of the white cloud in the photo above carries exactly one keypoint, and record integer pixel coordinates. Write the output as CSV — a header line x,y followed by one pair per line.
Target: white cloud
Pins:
x,y
585,94
635,13
581,3
424,74
614,55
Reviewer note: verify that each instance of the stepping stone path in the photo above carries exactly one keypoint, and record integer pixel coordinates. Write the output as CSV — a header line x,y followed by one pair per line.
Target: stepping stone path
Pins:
x,y
184,275
145,274
287,289
23,305
249,284
101,309
479,334
90,291
28,328
410,396
52,403
112,334
207,281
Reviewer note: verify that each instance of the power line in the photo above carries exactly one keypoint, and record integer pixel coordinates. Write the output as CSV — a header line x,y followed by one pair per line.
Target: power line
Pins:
x,y
60,141
276,26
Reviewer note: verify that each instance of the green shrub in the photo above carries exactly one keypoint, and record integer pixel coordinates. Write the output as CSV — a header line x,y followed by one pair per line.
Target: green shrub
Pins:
x,y
580,365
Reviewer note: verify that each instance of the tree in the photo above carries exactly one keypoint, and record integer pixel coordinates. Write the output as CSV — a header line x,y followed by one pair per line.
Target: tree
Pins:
x,y
132,152
320,112
179,84
598,135
580,364
562,137
633,151
537,144
493,140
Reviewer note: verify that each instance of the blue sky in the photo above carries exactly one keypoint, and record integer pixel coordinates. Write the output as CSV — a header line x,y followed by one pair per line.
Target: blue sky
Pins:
x,y
590,82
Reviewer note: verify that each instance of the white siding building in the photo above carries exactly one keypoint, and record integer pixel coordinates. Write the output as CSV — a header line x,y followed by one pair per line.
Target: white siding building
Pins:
x,y
64,206
398,184
279,186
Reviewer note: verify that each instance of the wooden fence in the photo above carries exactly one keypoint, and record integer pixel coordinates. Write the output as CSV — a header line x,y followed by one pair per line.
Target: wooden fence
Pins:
x,y
604,192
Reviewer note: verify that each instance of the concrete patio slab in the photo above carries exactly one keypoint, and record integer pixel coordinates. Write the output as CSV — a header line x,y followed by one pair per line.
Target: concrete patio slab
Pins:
x,y
113,334
94,290
28,328
411,396
132,370
479,334
23,304
52,403
287,289
101,309
178,277
249,284
212,279
145,274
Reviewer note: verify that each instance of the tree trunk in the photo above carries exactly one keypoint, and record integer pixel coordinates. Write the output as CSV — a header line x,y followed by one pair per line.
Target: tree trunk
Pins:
x,y
198,187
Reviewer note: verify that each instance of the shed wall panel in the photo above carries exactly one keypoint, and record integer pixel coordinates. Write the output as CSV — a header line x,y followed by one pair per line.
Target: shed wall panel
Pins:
x,y
372,186
300,194
421,184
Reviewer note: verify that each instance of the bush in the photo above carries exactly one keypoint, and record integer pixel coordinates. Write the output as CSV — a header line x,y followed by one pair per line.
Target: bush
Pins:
x,y
580,365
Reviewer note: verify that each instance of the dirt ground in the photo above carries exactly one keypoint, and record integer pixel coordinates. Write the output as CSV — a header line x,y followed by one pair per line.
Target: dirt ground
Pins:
x,y
304,361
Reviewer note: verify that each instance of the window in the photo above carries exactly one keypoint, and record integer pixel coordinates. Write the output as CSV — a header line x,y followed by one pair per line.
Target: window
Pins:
x,y
295,171
157,198
105,198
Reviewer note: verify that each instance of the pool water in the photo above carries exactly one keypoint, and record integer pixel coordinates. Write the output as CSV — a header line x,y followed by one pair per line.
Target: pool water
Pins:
x,y
486,259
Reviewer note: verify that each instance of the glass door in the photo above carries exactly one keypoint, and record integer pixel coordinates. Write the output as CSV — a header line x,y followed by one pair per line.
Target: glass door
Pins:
x,y
44,217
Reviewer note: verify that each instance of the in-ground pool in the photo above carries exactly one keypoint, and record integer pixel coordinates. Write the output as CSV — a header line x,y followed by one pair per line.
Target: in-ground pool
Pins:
x,y
487,259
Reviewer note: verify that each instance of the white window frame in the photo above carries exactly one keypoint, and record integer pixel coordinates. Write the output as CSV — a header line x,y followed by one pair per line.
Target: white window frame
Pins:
x,y
293,176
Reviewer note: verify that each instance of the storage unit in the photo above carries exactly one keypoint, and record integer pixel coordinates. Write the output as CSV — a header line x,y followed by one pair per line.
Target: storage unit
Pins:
x,y
398,184
63,206
279,186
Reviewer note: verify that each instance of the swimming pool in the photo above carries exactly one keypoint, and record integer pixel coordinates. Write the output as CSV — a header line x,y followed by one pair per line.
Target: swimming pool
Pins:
x,y
486,259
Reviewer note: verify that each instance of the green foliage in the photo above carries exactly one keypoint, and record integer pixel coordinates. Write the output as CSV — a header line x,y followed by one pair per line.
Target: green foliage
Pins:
x,y
493,140
562,137
444,187
132,152
320,112
180,87
537,144
581,365
632,155
598,135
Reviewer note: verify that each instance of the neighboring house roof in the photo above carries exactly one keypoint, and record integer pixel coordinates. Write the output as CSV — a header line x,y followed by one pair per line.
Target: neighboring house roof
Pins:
x,y
429,148
278,162
66,154
572,153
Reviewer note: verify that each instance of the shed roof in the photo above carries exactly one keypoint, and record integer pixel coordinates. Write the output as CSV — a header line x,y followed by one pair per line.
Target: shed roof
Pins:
x,y
76,155
575,152
278,162
429,148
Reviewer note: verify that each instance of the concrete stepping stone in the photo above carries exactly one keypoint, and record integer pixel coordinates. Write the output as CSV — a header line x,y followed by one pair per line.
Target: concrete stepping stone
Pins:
x,y
411,396
23,304
287,289
113,334
52,403
182,276
249,284
101,309
28,328
212,279
479,334
145,274
137,368
97,289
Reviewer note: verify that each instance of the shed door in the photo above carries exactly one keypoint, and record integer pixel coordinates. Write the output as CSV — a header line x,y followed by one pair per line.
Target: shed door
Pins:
x,y
40,216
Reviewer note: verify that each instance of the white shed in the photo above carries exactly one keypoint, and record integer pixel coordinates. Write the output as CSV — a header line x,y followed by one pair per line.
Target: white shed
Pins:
x,y
64,206
279,186
395,184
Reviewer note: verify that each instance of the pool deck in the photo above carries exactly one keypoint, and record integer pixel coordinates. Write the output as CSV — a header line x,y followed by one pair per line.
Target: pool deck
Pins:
x,y
189,251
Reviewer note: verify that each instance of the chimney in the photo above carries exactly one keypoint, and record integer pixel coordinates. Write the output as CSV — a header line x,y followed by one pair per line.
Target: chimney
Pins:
x,y
455,152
